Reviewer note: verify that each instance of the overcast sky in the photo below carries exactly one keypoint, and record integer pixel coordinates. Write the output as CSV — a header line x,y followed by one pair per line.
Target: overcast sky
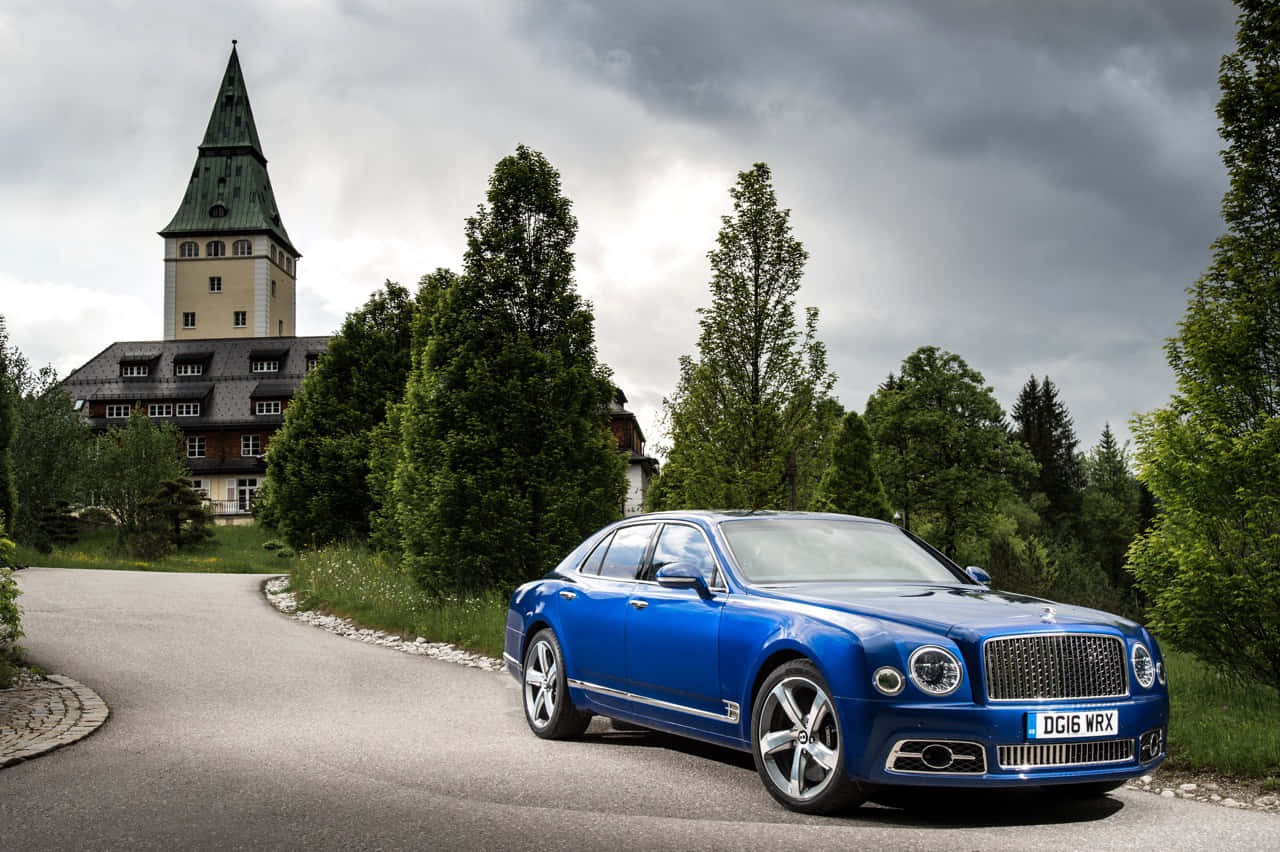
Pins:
x,y
1032,184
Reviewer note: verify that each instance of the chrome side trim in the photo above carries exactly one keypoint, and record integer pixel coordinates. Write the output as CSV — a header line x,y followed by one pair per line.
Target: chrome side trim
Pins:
x,y
731,708
512,661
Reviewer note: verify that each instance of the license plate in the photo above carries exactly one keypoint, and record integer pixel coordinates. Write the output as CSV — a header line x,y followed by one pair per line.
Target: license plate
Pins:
x,y
1061,726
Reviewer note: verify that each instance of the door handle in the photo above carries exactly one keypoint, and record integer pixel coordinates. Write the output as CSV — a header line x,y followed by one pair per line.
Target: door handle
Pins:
x,y
568,595
638,604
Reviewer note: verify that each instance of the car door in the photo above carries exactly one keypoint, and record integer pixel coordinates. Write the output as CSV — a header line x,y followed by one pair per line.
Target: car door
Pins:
x,y
672,635
593,609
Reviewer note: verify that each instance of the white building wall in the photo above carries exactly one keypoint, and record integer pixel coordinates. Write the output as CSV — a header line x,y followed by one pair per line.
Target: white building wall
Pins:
x,y
637,484
170,287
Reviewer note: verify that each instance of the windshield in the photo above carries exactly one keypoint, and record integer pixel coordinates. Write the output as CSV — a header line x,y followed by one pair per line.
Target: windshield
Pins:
x,y
796,550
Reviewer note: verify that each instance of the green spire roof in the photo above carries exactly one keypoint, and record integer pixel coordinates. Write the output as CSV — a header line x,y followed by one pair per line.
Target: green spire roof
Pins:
x,y
229,190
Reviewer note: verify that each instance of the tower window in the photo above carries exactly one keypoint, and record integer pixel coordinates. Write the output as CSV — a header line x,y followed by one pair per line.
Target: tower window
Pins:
x,y
235,192
215,283
273,252
273,288
242,248
239,319
280,327
217,211
188,249
238,169
188,319
217,248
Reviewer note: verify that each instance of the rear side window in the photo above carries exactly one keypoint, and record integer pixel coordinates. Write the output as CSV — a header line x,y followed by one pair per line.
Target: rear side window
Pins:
x,y
592,565
625,552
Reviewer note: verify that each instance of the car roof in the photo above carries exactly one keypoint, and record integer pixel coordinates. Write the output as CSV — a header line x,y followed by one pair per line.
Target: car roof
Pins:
x,y
717,515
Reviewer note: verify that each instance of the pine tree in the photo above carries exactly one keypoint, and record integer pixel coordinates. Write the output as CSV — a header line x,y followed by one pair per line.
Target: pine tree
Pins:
x,y
1211,561
850,484
1111,508
505,459
318,462
748,417
1043,425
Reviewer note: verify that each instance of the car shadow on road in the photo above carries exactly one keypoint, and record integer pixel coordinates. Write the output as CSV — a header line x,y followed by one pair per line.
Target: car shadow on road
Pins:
x,y
925,807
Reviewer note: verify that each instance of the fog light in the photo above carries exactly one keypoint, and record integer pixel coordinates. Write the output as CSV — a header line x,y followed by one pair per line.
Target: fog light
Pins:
x,y
888,680
937,756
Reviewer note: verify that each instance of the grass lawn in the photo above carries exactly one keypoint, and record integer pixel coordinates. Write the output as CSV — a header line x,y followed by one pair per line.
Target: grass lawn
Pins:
x,y
371,590
233,550
1221,724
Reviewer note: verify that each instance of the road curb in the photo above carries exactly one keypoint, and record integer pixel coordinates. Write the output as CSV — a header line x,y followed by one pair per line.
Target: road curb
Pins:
x,y
46,716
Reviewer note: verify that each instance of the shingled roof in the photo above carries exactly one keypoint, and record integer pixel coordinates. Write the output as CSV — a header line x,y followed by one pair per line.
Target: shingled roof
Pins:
x,y
229,190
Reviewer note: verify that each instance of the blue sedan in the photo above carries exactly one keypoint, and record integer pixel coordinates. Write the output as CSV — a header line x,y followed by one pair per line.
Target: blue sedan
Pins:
x,y
844,653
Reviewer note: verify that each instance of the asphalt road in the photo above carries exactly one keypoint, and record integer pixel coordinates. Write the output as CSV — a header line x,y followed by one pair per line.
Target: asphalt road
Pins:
x,y
233,727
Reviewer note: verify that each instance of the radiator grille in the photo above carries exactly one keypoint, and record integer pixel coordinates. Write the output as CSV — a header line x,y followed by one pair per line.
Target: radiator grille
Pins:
x,y
1064,754
1053,666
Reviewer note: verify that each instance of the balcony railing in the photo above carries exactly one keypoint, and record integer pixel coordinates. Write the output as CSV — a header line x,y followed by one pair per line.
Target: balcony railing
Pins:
x,y
230,507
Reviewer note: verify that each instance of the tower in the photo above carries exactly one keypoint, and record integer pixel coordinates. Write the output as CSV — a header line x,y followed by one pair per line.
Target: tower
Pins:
x,y
230,269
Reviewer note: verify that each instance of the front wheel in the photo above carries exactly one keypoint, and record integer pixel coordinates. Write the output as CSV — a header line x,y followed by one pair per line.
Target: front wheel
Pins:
x,y
547,708
796,743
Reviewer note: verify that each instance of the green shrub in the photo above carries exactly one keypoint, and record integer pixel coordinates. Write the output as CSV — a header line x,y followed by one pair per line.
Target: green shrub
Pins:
x,y
272,544
286,553
10,613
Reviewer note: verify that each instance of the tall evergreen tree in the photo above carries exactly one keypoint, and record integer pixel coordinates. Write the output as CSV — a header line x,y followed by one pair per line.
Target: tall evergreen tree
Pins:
x,y
506,460
850,483
318,462
745,414
8,428
943,450
1211,561
1111,507
1043,425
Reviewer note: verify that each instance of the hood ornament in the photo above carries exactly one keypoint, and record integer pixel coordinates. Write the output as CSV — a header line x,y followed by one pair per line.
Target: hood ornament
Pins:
x,y
1047,615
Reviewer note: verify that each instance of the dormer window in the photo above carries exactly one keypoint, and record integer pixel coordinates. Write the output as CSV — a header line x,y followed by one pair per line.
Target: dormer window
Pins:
x,y
264,366
312,361
216,248
217,211
188,369
266,406
189,249
134,370
242,248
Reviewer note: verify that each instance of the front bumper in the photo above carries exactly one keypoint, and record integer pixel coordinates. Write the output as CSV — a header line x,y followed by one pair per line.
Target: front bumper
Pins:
x,y
876,730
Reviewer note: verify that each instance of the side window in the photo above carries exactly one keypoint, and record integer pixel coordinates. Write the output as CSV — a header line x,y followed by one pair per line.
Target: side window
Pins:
x,y
679,543
625,552
592,565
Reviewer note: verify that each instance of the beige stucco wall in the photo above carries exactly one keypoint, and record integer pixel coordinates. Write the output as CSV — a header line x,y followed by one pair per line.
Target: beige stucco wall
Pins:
x,y
246,286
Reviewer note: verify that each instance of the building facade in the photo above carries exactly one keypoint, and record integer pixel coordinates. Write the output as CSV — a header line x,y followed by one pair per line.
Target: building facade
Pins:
x,y
229,362
641,468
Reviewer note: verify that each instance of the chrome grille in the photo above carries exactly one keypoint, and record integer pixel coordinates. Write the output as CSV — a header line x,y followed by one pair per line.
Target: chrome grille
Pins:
x,y
1064,754
1054,665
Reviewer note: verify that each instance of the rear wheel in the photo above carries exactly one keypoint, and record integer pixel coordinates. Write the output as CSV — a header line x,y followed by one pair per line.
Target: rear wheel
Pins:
x,y
547,707
796,742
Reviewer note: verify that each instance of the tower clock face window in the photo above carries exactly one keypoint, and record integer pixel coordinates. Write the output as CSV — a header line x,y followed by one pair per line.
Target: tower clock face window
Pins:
x,y
216,248
215,283
188,249
239,319
242,248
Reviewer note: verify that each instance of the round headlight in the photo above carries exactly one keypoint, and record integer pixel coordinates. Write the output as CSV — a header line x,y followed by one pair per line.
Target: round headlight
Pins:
x,y
888,680
1144,669
935,670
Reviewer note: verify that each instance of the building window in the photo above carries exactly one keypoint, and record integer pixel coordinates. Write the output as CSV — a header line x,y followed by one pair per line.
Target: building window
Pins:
x,y
273,288
117,411
267,406
188,319
134,370
280,327
239,319
188,369
251,445
200,486
160,409
288,264
218,210
265,366
241,248
187,409
195,446
273,253
312,361
215,283
216,248
188,249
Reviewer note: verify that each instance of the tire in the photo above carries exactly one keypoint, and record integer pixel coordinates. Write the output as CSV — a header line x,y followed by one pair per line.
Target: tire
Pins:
x,y
547,706
1089,790
796,742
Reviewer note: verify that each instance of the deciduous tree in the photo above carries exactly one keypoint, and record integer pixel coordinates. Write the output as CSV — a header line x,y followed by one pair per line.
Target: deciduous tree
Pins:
x,y
127,466
1211,562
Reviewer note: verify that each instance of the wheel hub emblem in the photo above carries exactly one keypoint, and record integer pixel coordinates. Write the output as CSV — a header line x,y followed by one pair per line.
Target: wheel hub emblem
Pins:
x,y
802,738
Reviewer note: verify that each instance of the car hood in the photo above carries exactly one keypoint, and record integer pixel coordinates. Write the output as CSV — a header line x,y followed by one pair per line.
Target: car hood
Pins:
x,y
959,610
